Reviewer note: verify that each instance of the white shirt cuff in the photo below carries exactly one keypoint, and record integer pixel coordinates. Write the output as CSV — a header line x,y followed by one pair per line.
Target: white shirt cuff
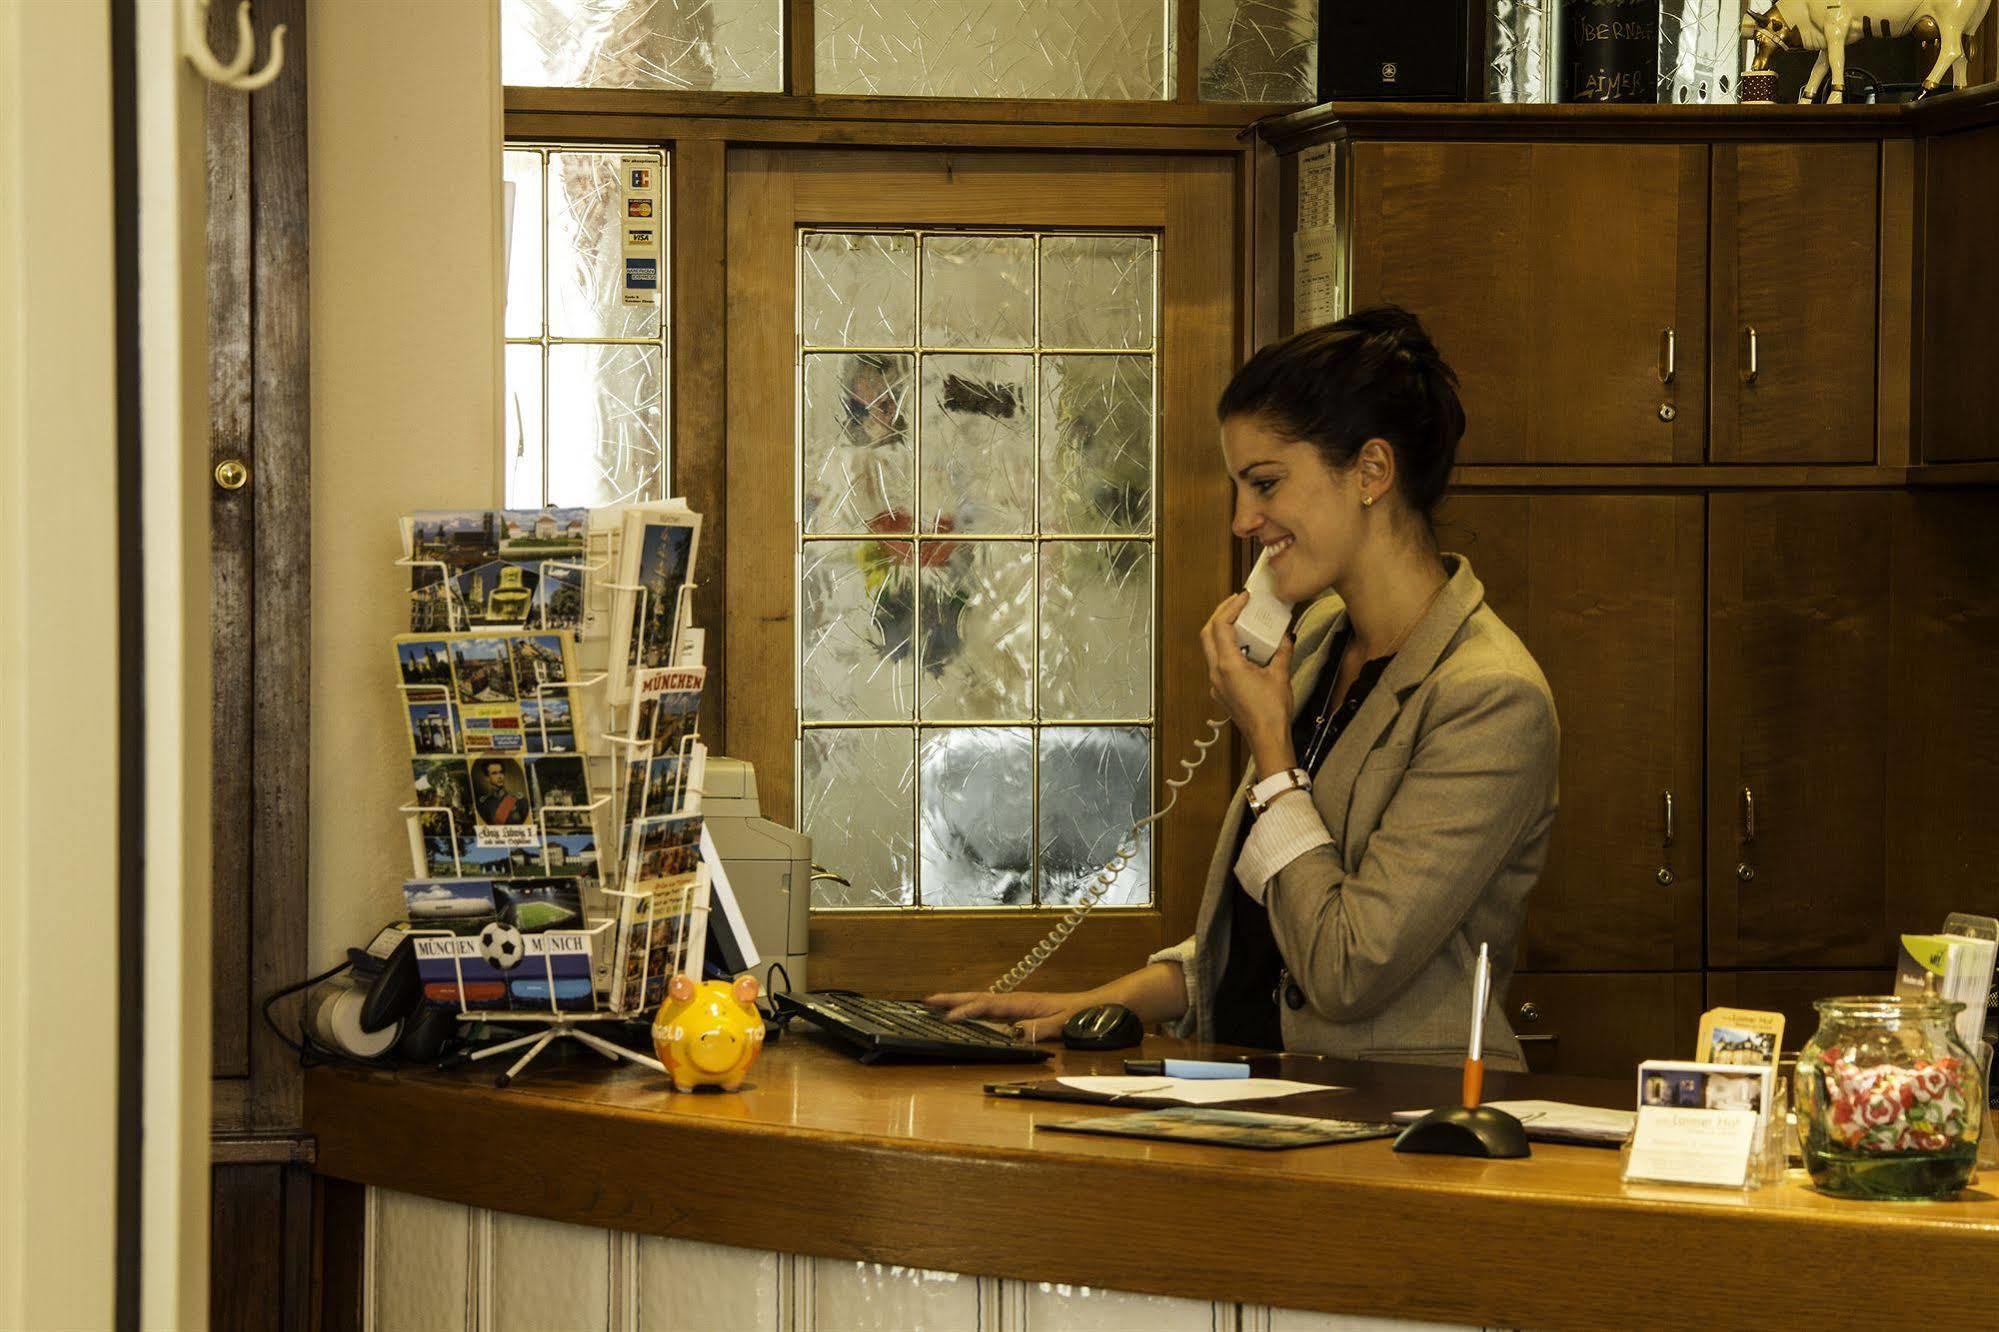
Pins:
x,y
1289,828
1183,953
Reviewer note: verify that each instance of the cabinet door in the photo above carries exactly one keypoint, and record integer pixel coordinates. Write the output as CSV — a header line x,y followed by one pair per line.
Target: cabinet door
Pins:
x,y
1943,838
1795,299
1800,704
1602,1024
1549,275
1791,993
1606,591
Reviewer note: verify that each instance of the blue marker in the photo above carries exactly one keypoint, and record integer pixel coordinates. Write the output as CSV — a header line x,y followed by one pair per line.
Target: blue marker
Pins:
x,y
1184,1068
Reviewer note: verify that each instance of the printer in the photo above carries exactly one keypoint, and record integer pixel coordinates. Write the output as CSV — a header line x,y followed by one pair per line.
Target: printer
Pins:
x,y
769,866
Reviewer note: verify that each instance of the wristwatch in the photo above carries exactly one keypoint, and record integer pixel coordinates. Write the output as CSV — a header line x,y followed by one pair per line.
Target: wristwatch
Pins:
x,y
1275,785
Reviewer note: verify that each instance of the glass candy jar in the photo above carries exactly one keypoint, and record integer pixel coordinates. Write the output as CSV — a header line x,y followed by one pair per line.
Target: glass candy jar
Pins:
x,y
1889,1101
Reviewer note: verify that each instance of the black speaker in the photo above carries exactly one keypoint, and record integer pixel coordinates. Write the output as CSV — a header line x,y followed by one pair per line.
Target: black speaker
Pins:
x,y
1400,51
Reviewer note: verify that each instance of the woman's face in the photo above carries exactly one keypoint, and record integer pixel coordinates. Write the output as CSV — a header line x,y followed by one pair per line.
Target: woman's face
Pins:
x,y
1304,514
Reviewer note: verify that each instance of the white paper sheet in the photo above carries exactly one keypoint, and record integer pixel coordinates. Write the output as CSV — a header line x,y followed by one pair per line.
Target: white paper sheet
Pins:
x,y
1193,1091
1582,1122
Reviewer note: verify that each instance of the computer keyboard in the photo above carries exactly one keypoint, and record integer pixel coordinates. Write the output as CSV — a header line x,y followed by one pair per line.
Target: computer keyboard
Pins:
x,y
904,1029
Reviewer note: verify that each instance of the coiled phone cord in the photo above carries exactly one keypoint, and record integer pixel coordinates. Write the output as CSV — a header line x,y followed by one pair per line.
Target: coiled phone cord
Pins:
x,y
1107,877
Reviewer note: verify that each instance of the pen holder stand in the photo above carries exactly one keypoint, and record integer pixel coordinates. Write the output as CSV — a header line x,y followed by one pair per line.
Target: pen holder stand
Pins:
x,y
1465,1130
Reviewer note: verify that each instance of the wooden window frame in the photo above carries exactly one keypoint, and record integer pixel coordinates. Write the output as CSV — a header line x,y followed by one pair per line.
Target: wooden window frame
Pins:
x,y
706,134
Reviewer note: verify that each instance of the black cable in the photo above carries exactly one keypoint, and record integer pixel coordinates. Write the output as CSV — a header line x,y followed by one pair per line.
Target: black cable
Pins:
x,y
300,1046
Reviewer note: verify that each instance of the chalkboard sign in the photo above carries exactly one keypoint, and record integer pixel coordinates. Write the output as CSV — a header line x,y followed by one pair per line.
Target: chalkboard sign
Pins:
x,y
1611,50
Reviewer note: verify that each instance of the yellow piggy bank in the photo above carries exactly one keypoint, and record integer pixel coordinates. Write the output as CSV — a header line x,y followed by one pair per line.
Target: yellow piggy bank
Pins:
x,y
708,1034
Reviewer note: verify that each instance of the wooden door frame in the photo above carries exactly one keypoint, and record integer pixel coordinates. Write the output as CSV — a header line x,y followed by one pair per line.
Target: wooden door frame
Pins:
x,y
770,194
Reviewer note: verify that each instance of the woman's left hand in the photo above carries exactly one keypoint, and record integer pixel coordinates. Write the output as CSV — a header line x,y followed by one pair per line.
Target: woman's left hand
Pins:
x,y
1258,697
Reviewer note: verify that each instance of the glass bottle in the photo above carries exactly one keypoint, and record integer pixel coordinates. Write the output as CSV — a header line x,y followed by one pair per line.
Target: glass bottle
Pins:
x,y
1889,1101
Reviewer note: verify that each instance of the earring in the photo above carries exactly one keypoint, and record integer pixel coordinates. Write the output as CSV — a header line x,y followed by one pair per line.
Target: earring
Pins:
x,y
1367,501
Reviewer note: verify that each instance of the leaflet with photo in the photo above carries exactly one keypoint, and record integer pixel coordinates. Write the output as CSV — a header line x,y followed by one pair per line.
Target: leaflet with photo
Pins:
x,y
656,556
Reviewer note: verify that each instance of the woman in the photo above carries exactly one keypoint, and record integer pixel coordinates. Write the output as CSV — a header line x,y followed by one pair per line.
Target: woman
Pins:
x,y
1403,740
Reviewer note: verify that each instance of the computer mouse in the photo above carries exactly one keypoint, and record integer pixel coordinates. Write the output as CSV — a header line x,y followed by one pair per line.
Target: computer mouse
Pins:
x,y
1103,1027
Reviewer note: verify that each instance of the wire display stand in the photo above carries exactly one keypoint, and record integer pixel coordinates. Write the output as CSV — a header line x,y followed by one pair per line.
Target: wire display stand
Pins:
x,y
656,927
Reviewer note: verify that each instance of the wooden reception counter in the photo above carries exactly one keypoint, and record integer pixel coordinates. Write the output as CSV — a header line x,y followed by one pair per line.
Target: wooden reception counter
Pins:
x,y
915,1166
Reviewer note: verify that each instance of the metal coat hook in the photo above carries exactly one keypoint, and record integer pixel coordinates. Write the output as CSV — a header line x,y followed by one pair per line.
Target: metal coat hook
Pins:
x,y
194,45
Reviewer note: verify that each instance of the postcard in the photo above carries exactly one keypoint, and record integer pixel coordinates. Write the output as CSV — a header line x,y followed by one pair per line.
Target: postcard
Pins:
x,y
541,902
571,854
1704,1086
491,727
447,903
433,727
426,666
531,535
560,788
554,968
1740,1036
499,791
484,669
455,973
668,707
496,862
558,599
499,593
1227,1128
455,538
440,856
656,557
663,851
661,934
443,784
548,723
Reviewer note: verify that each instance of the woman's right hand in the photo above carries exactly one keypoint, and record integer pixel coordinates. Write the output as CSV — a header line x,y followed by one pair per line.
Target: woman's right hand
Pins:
x,y
1037,1017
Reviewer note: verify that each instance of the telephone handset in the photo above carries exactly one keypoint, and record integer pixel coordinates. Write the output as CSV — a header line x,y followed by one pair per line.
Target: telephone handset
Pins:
x,y
1259,631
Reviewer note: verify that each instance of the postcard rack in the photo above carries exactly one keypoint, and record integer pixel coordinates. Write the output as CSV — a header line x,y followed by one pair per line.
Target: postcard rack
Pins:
x,y
617,969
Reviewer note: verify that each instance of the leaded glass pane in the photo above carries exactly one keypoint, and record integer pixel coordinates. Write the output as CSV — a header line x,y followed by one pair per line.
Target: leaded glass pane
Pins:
x,y
1096,630
857,796
522,462
857,290
976,645
1115,49
1097,291
977,464
978,291
1096,781
1096,443
860,454
718,45
523,172
1259,50
606,426
585,250
858,609
976,831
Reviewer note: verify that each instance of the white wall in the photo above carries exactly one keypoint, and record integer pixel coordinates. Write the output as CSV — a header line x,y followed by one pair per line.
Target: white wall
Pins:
x,y
405,126
58,669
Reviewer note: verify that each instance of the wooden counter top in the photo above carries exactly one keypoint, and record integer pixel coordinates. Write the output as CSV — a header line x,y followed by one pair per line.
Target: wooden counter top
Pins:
x,y
914,1165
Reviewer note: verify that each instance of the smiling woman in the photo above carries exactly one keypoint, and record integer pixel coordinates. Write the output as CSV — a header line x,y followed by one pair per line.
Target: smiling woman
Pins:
x,y
1403,741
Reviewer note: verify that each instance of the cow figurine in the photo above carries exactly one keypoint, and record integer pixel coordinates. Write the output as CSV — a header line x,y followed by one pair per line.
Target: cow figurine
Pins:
x,y
1826,26
708,1034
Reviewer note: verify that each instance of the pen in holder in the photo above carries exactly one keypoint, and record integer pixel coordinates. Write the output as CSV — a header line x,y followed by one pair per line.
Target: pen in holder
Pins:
x,y
1470,1129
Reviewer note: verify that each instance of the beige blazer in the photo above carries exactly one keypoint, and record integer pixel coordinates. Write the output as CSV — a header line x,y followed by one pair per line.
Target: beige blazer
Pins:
x,y
1439,798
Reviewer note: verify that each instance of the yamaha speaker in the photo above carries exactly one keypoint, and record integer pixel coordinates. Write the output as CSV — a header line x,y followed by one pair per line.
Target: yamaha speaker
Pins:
x,y
1401,50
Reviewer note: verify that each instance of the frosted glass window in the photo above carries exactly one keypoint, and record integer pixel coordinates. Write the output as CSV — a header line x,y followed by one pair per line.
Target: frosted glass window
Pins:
x,y
1259,50
586,374
699,45
1119,50
976,447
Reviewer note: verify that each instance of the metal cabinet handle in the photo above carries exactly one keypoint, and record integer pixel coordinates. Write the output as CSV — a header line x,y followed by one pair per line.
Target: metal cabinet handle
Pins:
x,y
1749,375
1748,815
1549,1039
1668,356
1668,797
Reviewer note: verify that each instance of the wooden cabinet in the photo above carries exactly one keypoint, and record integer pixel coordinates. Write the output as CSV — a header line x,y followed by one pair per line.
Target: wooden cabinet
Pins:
x,y
1794,302
1943,758
1600,1024
1800,705
1553,278
1606,591
1792,992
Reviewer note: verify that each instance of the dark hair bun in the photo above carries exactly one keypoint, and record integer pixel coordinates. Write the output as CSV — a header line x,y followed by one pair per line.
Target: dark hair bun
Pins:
x,y
1372,375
